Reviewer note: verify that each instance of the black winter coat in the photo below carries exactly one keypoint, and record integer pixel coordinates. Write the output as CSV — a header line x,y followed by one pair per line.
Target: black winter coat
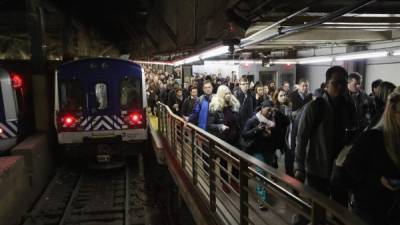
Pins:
x,y
262,144
365,164
297,101
216,119
188,106
247,106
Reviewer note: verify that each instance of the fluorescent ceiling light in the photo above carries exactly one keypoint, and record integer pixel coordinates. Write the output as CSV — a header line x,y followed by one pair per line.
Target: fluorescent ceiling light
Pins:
x,y
314,60
366,55
191,59
232,62
214,52
284,61
396,52
153,62
179,63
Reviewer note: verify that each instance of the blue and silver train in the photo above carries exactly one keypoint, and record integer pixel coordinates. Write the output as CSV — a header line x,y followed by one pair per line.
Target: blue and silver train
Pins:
x,y
100,101
13,110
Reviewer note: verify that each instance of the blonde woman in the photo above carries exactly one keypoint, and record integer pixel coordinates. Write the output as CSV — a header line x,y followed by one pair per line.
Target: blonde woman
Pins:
x,y
223,122
373,166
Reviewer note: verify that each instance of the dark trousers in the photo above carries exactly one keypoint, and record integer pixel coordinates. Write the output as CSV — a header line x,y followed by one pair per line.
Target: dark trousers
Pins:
x,y
224,175
323,185
289,162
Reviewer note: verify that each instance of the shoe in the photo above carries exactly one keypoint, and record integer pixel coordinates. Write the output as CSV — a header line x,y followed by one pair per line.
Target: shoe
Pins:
x,y
262,206
235,186
225,188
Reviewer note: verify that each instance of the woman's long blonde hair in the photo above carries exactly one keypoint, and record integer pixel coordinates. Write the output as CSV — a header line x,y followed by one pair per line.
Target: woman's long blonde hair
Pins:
x,y
218,101
391,128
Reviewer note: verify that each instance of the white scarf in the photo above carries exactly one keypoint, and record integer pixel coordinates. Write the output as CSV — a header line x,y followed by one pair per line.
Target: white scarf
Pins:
x,y
262,119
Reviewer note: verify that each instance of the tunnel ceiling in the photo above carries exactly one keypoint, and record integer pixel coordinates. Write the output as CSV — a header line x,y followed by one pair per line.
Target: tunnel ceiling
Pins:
x,y
144,28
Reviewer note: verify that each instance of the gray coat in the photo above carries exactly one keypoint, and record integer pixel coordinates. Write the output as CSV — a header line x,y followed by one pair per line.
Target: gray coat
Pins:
x,y
315,141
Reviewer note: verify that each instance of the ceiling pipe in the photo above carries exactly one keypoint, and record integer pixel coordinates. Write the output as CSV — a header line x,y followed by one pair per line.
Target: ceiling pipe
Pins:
x,y
311,24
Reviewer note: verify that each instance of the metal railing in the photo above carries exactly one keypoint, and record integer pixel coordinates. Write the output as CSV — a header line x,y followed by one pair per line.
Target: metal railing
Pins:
x,y
200,155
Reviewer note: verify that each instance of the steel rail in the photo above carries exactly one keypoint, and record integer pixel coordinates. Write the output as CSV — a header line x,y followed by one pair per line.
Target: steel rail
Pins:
x,y
71,198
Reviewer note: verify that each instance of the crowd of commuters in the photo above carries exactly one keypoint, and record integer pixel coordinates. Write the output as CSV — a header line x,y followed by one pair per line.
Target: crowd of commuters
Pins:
x,y
310,129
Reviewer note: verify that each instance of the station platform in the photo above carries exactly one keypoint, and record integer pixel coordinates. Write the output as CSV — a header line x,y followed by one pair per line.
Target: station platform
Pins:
x,y
193,157
23,177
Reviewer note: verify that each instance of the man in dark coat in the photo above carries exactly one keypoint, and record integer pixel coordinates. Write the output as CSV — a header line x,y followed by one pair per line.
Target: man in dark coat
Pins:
x,y
247,102
301,96
190,102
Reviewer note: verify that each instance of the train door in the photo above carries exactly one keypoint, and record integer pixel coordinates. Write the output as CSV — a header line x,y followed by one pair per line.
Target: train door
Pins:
x,y
102,108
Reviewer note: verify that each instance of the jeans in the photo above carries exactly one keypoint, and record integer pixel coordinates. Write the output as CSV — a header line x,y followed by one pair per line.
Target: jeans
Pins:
x,y
260,189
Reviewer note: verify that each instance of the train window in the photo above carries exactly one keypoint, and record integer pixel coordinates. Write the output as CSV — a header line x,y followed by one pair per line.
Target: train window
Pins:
x,y
130,93
101,96
72,96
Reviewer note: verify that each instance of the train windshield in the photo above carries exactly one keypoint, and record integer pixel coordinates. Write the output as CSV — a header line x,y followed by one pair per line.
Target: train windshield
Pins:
x,y
72,95
131,93
101,96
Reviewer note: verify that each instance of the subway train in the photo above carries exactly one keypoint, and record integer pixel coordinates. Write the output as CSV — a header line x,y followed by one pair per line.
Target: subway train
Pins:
x,y
16,117
100,106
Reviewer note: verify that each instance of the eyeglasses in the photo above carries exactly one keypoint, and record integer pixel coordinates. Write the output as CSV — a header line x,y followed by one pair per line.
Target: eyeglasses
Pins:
x,y
244,83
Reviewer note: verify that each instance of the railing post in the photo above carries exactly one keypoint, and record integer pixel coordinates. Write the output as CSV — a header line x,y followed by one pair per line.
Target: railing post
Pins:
x,y
318,214
182,146
244,195
159,117
173,134
211,168
194,170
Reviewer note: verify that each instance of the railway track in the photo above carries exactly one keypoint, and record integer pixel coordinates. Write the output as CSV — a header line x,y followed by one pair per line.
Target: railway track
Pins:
x,y
109,197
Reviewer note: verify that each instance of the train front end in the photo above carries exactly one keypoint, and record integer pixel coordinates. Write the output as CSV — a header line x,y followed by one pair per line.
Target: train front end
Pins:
x,y
100,107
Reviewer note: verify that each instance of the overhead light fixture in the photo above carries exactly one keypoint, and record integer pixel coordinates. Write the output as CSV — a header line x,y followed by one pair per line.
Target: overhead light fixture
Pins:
x,y
153,62
233,62
192,59
365,55
284,61
311,60
214,52
396,52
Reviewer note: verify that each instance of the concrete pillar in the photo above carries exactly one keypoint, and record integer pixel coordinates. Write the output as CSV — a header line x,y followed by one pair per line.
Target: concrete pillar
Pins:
x,y
36,28
35,24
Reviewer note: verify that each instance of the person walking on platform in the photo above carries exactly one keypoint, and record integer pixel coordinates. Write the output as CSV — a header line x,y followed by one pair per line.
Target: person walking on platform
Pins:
x,y
372,169
175,101
360,100
322,134
199,117
258,95
190,102
301,96
223,122
257,131
280,132
247,102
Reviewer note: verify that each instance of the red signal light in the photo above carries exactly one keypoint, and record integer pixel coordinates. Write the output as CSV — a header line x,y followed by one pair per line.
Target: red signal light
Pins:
x,y
135,118
16,80
68,120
